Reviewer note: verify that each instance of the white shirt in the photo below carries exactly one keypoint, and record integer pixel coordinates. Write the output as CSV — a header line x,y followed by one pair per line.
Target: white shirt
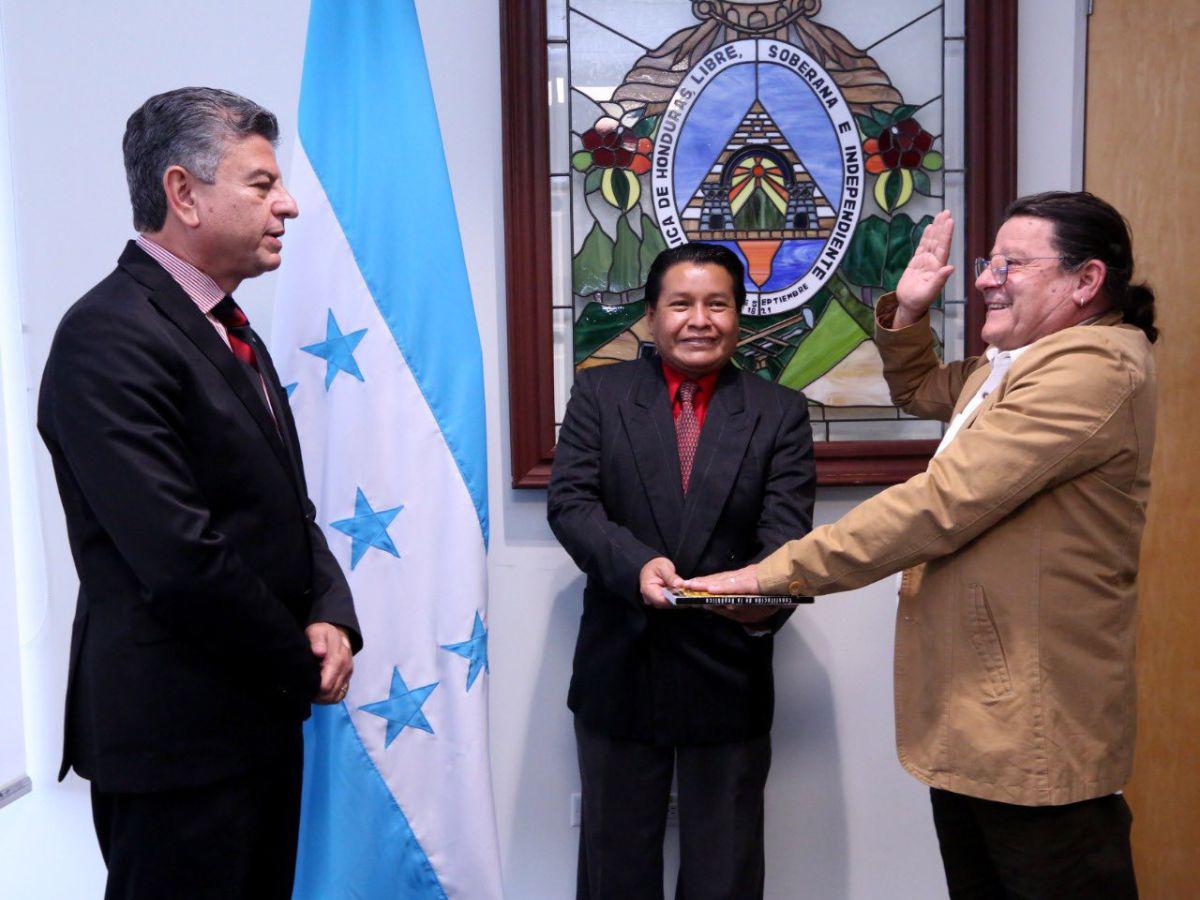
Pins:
x,y
1001,360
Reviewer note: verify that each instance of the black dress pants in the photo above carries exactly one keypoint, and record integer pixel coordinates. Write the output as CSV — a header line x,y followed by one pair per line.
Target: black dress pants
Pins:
x,y
626,789
233,839
1001,851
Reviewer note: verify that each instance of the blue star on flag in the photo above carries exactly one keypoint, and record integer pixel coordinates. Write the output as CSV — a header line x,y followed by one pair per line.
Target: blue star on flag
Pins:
x,y
402,708
368,528
337,350
473,649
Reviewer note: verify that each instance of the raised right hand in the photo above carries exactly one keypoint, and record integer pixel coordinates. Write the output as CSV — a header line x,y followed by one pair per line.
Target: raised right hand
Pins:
x,y
927,271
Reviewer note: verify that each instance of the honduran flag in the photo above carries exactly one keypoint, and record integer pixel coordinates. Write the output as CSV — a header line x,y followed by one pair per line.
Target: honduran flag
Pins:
x,y
375,331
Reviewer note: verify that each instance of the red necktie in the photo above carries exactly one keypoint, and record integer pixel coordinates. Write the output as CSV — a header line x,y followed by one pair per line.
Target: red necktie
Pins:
x,y
237,329
687,430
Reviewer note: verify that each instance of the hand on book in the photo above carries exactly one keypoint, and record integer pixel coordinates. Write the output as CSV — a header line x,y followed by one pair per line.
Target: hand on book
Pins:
x,y
739,581
657,575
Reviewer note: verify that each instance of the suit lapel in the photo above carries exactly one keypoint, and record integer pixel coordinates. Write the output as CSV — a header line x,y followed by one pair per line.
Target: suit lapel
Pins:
x,y
177,306
970,388
650,428
728,426
281,407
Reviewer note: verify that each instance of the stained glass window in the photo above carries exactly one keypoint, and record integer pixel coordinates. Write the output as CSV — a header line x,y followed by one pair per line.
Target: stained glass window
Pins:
x,y
815,139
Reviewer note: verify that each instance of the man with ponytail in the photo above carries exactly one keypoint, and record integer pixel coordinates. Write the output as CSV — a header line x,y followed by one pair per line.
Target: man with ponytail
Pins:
x,y
1019,547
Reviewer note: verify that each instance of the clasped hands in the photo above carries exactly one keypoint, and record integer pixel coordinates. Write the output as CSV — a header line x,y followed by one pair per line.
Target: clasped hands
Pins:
x,y
659,574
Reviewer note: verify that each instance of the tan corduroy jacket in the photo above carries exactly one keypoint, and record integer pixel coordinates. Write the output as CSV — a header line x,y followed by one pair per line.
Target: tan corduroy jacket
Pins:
x,y
1015,631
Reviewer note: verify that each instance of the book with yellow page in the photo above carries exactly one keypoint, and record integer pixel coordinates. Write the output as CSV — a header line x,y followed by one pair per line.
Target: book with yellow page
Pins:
x,y
685,597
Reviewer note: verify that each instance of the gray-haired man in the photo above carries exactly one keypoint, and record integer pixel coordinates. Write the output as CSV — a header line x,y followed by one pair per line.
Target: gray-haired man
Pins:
x,y
211,612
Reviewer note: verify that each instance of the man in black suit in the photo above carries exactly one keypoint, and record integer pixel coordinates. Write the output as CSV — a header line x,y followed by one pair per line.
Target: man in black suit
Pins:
x,y
211,612
667,466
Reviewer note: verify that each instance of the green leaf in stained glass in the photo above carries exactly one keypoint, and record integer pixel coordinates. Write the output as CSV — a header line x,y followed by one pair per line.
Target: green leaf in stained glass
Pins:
x,y
880,116
581,161
652,245
620,188
626,271
921,181
903,237
915,238
645,126
899,250
900,113
592,182
589,268
897,183
597,325
865,256
880,250
869,126
918,229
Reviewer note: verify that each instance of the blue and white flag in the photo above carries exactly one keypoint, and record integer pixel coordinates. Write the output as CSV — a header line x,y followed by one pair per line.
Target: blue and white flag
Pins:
x,y
376,341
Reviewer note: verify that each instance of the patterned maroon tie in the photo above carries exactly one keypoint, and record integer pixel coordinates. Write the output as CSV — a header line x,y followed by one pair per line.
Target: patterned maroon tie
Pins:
x,y
237,329
687,430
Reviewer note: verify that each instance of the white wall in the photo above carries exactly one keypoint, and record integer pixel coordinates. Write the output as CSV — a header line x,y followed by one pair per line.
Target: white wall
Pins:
x,y
75,71
14,450
843,818
1051,42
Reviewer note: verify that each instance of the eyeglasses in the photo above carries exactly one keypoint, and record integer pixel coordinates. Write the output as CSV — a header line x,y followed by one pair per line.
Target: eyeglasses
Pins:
x,y
1001,264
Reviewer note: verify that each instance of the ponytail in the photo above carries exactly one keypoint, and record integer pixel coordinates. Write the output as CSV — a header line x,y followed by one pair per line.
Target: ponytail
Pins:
x,y
1138,309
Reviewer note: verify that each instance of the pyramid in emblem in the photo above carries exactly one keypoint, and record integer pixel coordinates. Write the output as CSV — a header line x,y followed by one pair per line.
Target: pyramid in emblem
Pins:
x,y
757,189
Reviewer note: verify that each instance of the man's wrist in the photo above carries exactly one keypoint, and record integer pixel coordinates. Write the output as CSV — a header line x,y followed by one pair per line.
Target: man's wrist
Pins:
x,y
891,316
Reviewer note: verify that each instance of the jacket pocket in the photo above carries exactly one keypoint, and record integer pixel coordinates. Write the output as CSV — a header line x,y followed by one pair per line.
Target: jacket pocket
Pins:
x,y
981,627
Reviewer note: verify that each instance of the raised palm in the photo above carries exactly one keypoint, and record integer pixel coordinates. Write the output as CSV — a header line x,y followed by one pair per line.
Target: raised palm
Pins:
x,y
927,271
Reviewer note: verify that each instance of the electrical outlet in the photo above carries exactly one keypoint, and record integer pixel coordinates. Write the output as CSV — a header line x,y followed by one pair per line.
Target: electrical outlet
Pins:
x,y
576,810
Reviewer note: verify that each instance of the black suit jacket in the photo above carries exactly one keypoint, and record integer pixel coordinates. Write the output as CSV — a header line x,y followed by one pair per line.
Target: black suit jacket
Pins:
x,y
616,502
198,556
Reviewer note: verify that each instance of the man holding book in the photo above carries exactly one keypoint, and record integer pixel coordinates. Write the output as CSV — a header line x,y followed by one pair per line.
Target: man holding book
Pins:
x,y
668,467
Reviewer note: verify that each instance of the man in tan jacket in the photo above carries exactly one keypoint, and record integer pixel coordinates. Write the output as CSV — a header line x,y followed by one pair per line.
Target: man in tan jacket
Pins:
x,y
1019,546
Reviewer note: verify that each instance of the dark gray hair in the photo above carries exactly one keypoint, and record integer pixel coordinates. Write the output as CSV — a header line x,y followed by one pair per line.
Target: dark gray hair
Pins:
x,y
188,127
1086,227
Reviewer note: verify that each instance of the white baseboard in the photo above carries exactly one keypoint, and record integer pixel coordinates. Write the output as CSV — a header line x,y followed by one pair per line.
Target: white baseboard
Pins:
x,y
15,789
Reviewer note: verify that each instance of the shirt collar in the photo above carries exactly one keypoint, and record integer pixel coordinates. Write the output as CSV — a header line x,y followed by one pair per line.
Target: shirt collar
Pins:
x,y
200,287
992,352
675,378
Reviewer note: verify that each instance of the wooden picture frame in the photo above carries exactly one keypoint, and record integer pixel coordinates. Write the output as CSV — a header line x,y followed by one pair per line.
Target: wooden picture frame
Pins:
x,y
990,96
